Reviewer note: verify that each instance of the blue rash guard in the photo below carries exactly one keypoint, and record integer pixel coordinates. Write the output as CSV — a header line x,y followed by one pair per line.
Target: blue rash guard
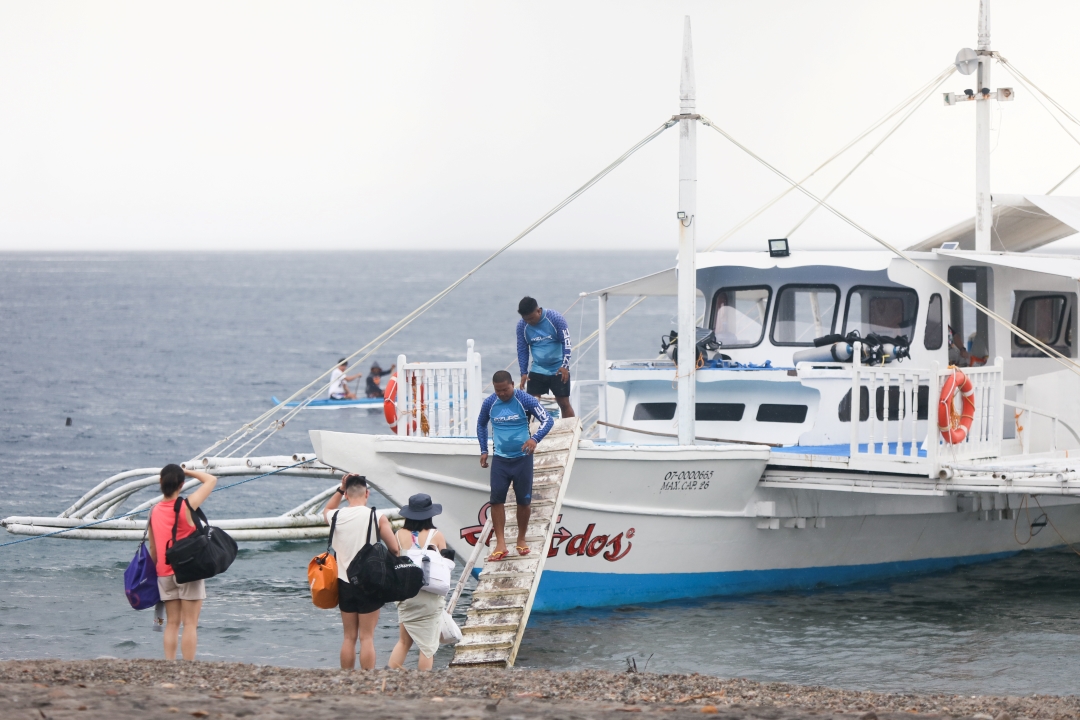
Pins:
x,y
510,423
548,341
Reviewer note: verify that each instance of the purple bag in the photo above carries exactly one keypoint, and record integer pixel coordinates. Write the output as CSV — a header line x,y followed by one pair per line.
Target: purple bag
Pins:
x,y
140,578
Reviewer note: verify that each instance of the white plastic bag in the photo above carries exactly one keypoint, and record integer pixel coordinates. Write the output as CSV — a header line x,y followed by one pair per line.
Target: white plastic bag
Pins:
x,y
449,632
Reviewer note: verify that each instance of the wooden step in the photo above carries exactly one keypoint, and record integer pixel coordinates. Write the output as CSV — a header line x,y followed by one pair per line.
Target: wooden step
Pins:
x,y
500,602
481,657
549,460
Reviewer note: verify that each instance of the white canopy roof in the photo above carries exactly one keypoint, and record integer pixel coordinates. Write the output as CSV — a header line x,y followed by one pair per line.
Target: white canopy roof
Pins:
x,y
1021,222
665,282
1059,265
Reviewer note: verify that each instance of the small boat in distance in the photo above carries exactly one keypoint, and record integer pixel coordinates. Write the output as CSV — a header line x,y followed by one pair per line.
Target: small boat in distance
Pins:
x,y
333,403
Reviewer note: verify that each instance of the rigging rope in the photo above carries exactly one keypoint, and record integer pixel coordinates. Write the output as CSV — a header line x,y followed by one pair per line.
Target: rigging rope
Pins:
x,y
884,119
1066,362
1035,92
394,329
139,512
944,76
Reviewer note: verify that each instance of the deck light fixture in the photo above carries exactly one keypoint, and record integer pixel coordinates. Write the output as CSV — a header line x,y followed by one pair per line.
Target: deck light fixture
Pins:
x,y
778,248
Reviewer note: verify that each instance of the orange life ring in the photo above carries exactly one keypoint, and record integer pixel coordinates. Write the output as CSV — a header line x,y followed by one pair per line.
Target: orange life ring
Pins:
x,y
955,429
390,405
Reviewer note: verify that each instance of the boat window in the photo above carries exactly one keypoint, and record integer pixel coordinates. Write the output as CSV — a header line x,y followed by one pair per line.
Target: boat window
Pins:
x,y
1048,317
804,312
897,403
719,412
781,413
932,336
654,411
881,310
739,315
969,327
707,412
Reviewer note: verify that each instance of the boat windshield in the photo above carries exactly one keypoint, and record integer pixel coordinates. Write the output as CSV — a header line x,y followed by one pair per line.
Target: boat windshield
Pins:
x,y
804,312
885,311
739,315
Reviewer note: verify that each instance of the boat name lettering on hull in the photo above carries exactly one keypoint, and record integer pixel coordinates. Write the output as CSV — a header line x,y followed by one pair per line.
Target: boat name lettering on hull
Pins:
x,y
586,544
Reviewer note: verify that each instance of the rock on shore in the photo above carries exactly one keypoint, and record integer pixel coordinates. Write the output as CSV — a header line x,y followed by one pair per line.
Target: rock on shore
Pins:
x,y
92,689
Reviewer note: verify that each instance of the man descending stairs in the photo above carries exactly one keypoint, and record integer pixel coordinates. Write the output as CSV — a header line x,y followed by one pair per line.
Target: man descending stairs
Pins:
x,y
504,595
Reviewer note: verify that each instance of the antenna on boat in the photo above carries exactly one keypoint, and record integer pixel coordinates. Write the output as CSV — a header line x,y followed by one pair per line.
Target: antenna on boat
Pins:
x,y
688,122
970,61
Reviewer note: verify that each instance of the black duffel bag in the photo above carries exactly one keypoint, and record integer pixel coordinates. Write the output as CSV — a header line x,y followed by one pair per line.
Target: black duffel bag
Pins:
x,y
381,576
207,552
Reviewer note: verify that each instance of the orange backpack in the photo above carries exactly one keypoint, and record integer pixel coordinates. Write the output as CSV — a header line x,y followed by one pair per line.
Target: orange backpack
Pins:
x,y
322,575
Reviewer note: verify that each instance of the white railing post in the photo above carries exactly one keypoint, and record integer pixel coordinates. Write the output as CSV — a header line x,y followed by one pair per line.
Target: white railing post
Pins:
x,y
998,421
856,410
400,401
601,349
474,388
933,432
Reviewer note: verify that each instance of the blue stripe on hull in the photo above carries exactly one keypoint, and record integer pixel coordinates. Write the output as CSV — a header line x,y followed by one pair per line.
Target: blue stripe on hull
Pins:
x,y
565,590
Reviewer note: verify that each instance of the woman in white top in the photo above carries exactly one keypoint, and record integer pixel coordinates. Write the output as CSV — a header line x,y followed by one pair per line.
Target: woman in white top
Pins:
x,y
354,529
420,616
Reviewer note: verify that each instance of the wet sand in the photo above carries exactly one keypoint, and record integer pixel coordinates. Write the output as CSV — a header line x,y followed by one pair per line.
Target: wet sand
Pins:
x,y
100,689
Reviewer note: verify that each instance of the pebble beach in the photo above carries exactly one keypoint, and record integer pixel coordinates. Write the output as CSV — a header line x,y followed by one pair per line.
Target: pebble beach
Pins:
x,y
108,688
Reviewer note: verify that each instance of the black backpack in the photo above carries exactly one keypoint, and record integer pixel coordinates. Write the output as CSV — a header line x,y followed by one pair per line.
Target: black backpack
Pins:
x,y
205,553
381,576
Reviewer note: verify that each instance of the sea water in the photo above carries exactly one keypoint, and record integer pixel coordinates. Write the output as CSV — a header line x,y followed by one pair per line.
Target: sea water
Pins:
x,y
156,356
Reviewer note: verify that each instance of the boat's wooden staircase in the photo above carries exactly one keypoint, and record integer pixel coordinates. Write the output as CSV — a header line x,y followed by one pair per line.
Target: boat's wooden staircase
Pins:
x,y
504,595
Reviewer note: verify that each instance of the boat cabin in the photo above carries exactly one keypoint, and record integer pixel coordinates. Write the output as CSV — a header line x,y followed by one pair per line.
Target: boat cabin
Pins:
x,y
768,381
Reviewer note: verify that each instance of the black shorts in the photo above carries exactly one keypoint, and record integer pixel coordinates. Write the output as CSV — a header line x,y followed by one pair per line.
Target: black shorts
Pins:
x,y
351,600
540,384
511,471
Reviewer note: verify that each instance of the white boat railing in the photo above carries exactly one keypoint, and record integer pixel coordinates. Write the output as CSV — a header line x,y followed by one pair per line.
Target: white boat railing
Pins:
x,y
886,409
439,399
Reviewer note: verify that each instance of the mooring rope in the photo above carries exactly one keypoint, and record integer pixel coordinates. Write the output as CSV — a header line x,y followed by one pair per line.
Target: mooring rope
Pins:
x,y
139,512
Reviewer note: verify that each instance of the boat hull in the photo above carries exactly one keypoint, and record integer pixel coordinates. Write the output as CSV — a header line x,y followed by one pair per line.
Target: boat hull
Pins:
x,y
655,523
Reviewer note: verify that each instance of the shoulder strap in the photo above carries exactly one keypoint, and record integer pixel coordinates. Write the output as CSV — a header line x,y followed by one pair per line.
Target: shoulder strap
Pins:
x,y
371,519
198,517
176,520
333,524
431,537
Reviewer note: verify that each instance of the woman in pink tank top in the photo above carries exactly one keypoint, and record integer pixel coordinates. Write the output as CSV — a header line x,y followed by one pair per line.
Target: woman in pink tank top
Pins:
x,y
183,601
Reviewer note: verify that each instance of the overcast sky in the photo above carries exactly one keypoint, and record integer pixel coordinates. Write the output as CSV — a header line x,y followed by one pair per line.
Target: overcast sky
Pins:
x,y
363,125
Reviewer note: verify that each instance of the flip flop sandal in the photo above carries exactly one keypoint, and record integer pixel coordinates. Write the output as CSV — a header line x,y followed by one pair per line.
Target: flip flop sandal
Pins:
x,y
522,549
498,555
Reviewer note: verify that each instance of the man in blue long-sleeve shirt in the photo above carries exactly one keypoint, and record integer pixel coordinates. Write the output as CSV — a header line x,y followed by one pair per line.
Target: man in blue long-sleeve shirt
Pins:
x,y
508,411
543,334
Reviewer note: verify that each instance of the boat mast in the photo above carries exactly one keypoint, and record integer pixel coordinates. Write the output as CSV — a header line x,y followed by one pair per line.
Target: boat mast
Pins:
x,y
688,121
970,61
984,217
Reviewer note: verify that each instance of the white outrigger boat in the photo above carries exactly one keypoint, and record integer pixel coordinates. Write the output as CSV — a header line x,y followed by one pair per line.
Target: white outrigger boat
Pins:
x,y
654,511
804,444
